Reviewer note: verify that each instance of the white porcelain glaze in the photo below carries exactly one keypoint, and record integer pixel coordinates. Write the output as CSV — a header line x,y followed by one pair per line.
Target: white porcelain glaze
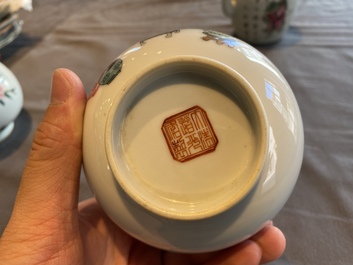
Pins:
x,y
259,21
209,201
11,101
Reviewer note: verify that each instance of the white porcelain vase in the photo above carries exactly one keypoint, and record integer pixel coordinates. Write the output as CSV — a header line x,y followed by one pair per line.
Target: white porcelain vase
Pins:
x,y
11,101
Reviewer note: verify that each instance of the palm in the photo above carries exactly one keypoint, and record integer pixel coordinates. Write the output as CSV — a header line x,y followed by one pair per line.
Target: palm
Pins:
x,y
46,227
105,243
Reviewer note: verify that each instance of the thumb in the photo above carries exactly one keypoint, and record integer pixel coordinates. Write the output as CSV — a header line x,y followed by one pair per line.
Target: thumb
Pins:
x,y
50,181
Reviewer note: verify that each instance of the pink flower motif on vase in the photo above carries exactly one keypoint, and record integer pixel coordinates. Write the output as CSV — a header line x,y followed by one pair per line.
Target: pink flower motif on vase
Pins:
x,y
5,93
275,15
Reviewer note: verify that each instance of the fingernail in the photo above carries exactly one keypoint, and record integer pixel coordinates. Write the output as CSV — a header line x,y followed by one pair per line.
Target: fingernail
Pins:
x,y
60,88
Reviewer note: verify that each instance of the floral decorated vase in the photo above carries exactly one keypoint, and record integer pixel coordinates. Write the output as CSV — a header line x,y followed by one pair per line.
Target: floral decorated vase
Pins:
x,y
11,101
260,21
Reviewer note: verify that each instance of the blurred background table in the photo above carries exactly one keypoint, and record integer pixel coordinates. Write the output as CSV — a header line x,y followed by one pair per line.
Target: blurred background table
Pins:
x,y
315,56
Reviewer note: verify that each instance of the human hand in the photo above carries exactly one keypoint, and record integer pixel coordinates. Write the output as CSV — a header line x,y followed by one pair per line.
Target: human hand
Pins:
x,y
49,226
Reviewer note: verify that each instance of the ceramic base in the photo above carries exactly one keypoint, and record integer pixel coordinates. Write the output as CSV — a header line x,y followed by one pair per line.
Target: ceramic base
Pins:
x,y
187,141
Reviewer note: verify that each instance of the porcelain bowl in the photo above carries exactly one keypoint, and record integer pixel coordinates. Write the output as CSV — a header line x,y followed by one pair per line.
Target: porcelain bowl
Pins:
x,y
193,141
11,101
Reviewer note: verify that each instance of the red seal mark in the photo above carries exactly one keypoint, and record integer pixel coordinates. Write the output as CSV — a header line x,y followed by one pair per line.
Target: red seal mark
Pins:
x,y
189,134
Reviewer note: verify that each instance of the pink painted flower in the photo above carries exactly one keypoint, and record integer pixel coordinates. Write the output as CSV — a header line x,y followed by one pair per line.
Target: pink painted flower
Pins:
x,y
276,14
